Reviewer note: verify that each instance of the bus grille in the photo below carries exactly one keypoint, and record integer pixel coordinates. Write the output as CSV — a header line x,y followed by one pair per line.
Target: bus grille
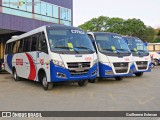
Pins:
x,y
78,68
121,67
142,65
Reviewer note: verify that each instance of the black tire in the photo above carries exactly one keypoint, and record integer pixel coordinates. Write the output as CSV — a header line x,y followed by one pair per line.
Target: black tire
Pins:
x,y
156,62
93,81
83,83
139,74
16,77
119,78
46,85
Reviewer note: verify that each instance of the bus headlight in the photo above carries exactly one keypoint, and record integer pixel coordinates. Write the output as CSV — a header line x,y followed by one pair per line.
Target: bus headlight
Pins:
x,y
58,63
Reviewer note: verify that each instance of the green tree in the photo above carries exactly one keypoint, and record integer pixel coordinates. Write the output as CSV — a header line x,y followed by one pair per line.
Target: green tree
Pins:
x,y
95,24
158,34
158,37
149,34
134,27
131,27
115,25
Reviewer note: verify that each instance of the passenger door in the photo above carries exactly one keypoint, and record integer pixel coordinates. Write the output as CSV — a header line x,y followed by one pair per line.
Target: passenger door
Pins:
x,y
42,54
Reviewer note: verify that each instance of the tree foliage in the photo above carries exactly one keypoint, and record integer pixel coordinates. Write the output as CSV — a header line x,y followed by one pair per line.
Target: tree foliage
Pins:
x,y
95,24
131,27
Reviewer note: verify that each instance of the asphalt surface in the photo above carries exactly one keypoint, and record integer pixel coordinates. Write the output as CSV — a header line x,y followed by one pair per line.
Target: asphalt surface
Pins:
x,y
131,94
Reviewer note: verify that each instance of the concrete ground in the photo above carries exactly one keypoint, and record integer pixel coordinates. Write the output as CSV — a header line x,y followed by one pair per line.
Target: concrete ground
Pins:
x,y
131,94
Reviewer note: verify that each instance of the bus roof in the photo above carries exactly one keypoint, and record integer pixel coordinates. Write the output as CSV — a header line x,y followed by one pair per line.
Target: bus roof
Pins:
x,y
104,33
40,29
130,37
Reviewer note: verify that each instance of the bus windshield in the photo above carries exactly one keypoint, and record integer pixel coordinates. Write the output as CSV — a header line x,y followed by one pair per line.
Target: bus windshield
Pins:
x,y
69,41
111,44
137,46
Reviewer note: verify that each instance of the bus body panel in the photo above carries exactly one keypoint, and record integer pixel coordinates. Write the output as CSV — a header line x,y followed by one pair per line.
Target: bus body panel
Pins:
x,y
28,64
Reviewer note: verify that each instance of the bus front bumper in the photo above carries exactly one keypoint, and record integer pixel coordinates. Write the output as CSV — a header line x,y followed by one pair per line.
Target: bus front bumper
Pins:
x,y
140,71
59,74
106,71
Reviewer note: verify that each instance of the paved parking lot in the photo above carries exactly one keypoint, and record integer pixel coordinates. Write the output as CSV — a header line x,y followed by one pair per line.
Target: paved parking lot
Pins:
x,y
131,94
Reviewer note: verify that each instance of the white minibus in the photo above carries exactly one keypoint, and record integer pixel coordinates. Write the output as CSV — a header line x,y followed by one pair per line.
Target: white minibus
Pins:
x,y
114,56
141,57
51,54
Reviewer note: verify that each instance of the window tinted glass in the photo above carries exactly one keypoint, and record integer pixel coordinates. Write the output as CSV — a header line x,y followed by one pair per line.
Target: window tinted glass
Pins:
x,y
20,46
42,43
9,48
34,43
27,44
111,44
6,49
14,49
69,40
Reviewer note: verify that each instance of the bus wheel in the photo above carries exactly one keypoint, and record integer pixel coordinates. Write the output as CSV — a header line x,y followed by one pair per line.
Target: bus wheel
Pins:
x,y
93,80
16,78
119,78
139,74
83,83
46,85
156,62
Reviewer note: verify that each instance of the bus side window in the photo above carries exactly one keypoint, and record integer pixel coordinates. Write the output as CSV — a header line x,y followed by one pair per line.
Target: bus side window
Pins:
x,y
20,46
9,49
34,43
42,43
27,44
6,49
14,47
93,42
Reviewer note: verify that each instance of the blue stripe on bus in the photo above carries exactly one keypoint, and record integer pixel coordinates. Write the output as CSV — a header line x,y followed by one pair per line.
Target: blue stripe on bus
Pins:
x,y
54,78
103,68
9,60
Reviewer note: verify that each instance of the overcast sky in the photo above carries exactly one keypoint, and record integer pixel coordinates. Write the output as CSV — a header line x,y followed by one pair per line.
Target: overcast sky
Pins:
x,y
146,10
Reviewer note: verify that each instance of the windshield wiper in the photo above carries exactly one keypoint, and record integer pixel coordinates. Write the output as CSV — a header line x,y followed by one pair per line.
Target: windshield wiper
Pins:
x,y
112,50
142,51
85,48
67,48
109,50
136,52
124,50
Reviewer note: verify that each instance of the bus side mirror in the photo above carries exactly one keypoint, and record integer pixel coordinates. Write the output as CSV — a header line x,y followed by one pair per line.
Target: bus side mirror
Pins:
x,y
145,43
126,41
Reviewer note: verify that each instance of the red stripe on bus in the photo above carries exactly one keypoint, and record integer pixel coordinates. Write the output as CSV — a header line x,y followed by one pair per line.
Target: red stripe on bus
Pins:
x,y
32,74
